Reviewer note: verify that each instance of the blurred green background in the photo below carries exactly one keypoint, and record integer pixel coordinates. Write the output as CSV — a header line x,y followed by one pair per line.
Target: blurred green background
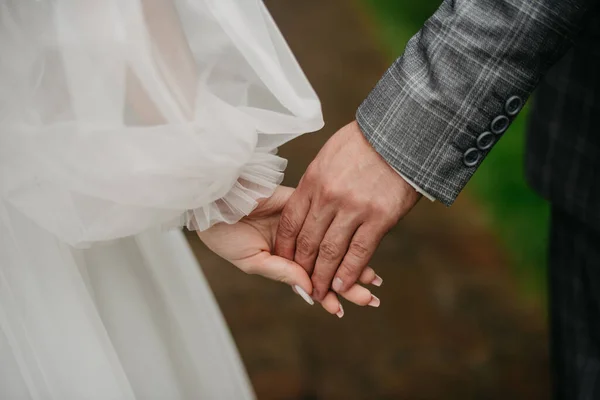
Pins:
x,y
518,216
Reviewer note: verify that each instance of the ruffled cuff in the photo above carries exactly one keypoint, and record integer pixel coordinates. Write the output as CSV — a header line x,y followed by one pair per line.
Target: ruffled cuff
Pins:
x,y
258,179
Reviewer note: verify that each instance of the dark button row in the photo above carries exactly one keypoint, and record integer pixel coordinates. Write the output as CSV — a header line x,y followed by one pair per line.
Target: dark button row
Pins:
x,y
499,125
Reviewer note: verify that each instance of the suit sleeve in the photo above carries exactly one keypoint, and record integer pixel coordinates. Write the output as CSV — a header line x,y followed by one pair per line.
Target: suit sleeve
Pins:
x,y
444,104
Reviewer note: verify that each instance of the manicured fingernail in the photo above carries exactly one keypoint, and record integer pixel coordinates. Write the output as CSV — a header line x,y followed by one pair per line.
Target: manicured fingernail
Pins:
x,y
337,284
377,281
375,302
340,313
303,294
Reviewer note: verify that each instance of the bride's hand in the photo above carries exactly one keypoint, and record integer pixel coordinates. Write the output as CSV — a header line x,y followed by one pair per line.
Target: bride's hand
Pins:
x,y
249,244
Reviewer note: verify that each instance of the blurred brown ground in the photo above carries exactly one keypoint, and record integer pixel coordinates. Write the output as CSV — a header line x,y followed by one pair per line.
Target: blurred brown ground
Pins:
x,y
451,325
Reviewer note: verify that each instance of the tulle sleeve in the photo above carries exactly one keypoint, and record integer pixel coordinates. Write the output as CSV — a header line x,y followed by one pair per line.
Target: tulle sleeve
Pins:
x,y
117,116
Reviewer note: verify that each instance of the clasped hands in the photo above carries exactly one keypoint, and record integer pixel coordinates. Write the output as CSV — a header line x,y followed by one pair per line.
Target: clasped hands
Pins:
x,y
320,237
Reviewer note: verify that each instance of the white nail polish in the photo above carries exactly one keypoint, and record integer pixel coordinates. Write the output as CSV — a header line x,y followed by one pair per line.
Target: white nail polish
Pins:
x,y
375,302
340,313
377,281
304,295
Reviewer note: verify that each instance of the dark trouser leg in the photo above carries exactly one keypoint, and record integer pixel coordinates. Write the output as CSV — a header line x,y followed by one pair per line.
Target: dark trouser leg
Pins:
x,y
574,273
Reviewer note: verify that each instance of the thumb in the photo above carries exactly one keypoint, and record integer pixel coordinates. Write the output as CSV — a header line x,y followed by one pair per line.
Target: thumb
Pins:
x,y
283,270
275,203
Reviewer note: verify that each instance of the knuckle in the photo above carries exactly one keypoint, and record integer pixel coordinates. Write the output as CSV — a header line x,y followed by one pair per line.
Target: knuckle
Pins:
x,y
379,207
356,201
329,251
305,246
287,226
311,174
359,249
357,204
348,273
330,192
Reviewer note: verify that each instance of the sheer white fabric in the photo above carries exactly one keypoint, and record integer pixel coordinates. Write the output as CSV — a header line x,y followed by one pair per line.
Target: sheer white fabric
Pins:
x,y
119,118
120,115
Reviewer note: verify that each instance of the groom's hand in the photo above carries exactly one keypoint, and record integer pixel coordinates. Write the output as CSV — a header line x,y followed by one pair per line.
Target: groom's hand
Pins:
x,y
248,245
345,203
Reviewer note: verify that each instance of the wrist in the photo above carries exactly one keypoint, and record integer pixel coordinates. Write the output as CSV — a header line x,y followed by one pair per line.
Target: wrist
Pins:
x,y
409,194
402,176
405,193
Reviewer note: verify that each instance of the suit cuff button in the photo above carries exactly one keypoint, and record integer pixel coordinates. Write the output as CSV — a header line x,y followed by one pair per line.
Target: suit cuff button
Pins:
x,y
471,157
485,141
513,106
500,124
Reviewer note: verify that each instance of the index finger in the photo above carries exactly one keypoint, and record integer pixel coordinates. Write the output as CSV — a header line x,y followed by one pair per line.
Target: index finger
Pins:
x,y
278,269
291,221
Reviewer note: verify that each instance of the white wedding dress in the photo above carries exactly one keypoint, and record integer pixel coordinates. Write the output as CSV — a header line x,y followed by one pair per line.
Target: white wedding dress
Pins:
x,y
120,119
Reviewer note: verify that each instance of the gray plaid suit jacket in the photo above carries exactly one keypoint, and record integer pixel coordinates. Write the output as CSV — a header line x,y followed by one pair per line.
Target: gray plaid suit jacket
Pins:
x,y
441,107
